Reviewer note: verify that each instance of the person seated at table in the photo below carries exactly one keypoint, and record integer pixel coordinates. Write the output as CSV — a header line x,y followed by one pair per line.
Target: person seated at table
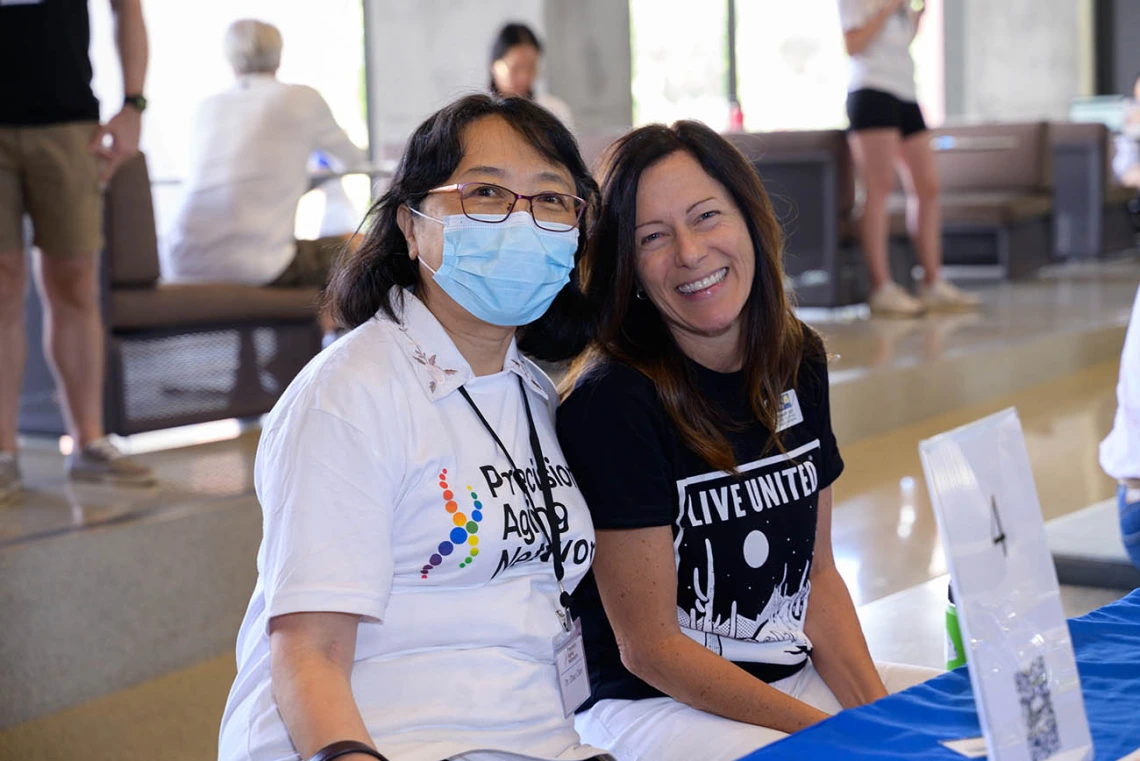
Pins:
x,y
515,57
698,426
1126,158
1120,451
248,170
407,598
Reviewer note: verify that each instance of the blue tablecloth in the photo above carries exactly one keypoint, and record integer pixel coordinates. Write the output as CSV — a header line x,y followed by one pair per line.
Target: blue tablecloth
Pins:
x,y
910,724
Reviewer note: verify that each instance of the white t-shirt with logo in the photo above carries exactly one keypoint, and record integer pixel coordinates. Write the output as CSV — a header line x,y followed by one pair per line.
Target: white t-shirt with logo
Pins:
x,y
384,496
885,64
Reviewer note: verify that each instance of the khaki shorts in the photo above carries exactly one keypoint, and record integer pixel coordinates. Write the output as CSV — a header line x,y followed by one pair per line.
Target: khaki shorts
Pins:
x,y
48,173
312,264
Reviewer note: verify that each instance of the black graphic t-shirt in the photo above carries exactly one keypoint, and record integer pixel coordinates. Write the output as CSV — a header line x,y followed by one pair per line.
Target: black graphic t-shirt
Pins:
x,y
743,544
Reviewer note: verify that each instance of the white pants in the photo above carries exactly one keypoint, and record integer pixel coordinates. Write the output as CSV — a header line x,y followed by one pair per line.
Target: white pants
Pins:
x,y
662,729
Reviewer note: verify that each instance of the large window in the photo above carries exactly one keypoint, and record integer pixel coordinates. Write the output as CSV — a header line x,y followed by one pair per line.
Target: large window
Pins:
x,y
791,65
324,48
792,68
680,60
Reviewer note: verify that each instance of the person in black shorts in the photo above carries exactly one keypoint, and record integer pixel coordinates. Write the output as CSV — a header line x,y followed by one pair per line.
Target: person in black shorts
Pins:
x,y
874,109
888,131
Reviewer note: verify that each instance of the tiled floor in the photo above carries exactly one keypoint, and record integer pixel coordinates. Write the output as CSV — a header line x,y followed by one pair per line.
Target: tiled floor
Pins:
x,y
188,476
1066,300
884,532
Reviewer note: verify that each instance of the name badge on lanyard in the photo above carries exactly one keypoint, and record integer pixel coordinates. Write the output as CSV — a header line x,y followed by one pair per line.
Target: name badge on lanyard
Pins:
x,y
570,660
569,649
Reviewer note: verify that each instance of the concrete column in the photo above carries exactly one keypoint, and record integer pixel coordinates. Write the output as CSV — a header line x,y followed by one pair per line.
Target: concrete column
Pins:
x,y
425,53
1015,59
588,61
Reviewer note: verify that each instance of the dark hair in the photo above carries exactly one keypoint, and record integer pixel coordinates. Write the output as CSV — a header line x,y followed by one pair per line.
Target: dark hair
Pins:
x,y
633,332
509,36
362,281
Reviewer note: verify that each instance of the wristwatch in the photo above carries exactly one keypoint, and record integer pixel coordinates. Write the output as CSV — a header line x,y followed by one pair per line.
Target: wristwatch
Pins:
x,y
137,101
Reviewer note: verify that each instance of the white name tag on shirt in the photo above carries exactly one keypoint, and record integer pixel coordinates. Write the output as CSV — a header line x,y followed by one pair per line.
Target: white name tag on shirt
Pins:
x,y
570,661
789,413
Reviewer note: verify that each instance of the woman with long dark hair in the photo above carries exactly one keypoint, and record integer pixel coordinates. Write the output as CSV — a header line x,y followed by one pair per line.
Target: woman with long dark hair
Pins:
x,y
516,55
698,427
409,605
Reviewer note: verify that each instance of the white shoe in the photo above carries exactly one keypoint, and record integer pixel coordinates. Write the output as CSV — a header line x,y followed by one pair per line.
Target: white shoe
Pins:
x,y
944,296
10,483
102,462
891,300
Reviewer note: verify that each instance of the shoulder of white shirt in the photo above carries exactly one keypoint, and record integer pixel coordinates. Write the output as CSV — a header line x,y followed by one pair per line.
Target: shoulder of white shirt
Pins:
x,y
353,376
369,364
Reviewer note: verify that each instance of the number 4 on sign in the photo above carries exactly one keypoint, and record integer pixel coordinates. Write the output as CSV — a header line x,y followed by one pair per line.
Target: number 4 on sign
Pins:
x,y
997,533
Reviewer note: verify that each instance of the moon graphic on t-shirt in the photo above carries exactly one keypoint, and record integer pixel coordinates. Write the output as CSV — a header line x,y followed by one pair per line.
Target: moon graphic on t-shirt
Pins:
x,y
756,549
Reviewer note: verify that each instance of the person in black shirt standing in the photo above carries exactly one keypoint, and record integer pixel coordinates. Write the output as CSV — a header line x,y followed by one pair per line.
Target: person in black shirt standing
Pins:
x,y
54,156
698,427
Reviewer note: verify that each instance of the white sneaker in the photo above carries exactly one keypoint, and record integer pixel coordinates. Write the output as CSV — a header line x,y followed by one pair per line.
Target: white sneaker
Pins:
x,y
891,300
944,296
10,482
102,462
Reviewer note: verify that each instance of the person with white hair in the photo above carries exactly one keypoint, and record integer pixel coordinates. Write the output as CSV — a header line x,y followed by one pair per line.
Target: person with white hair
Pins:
x,y
249,169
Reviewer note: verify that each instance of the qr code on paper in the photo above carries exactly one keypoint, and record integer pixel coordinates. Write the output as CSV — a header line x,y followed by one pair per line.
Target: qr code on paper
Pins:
x,y
1037,710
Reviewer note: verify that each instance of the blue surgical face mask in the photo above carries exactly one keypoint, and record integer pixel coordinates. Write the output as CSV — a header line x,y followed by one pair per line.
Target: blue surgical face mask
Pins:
x,y
504,273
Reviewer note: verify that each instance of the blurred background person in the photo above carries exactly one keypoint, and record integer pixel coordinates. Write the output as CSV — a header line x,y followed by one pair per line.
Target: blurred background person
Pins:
x,y
515,58
1120,452
54,159
1126,153
1126,159
888,132
249,168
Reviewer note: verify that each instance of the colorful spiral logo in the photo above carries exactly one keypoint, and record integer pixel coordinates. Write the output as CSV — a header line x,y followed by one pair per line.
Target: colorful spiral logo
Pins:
x,y
463,535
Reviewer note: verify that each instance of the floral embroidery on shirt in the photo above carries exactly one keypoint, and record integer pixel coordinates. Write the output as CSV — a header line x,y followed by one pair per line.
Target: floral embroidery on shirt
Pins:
x,y
521,369
437,373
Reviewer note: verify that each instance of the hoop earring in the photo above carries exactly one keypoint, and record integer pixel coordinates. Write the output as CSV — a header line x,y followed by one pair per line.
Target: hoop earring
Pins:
x,y
640,294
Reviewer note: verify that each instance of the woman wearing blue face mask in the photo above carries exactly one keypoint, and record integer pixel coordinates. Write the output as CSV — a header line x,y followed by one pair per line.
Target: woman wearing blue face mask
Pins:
x,y
409,605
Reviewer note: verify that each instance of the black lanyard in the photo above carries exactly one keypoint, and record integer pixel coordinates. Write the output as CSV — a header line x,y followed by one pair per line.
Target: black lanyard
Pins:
x,y
553,536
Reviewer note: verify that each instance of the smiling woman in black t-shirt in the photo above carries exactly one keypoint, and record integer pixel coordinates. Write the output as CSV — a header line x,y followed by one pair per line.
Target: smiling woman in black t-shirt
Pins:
x,y
699,431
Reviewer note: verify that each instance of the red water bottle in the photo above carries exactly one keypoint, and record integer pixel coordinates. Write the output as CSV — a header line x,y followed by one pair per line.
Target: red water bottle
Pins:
x,y
735,117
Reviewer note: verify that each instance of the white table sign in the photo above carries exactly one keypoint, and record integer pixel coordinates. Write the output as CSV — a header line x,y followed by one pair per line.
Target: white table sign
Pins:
x,y
1018,649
